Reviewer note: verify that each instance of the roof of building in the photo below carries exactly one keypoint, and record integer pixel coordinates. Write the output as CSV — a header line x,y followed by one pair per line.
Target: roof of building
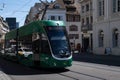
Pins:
x,y
73,6
59,2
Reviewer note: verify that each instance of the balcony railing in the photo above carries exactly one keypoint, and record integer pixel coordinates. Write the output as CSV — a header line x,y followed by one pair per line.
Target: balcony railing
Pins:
x,y
87,27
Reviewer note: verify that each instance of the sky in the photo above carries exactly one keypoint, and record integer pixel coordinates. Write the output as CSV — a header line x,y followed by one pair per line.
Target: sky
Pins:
x,y
16,8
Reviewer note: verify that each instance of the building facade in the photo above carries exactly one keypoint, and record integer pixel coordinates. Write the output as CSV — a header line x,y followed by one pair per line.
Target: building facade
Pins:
x,y
3,29
86,25
11,22
106,27
73,24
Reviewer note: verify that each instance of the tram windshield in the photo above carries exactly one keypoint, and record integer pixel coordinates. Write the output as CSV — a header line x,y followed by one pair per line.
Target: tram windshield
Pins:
x,y
59,42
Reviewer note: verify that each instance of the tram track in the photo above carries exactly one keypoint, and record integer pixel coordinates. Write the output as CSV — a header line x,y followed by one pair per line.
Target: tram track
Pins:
x,y
75,75
102,68
88,75
68,76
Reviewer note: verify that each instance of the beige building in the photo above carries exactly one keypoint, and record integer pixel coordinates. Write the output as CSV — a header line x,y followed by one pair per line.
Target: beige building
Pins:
x,y
3,29
86,25
106,26
73,22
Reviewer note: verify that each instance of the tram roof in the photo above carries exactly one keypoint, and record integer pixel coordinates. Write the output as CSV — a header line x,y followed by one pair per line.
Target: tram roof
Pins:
x,y
36,26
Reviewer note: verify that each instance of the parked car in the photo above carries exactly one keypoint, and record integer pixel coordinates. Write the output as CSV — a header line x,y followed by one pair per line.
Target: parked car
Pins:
x,y
2,51
25,51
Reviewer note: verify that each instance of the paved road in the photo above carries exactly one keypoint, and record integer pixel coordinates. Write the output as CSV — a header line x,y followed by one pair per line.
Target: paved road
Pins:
x,y
79,71
91,71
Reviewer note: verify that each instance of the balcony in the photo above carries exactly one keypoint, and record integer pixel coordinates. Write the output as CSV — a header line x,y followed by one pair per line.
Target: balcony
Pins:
x,y
87,27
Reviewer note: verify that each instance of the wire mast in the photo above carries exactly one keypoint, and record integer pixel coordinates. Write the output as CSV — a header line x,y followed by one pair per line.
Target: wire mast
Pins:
x,y
46,4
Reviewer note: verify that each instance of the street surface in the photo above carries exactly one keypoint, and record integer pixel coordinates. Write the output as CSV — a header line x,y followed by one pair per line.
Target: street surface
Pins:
x,y
79,71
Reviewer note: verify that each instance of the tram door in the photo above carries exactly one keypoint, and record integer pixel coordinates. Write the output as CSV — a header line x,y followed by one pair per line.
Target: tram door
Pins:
x,y
36,49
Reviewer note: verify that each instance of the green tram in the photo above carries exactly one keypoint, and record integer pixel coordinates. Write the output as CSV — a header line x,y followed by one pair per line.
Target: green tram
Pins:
x,y
40,43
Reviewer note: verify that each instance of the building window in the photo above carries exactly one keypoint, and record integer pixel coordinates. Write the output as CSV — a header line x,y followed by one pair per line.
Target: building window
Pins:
x,y
52,17
69,18
87,7
0,35
87,20
73,18
116,6
91,19
56,6
101,39
83,21
100,7
83,9
73,36
60,18
115,38
77,18
73,28
91,6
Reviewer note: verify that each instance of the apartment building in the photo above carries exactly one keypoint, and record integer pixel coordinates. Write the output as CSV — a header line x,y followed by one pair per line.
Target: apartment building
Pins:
x,y
106,27
73,24
86,13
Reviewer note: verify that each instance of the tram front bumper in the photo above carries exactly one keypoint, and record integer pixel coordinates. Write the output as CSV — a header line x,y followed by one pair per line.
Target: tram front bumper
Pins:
x,y
57,63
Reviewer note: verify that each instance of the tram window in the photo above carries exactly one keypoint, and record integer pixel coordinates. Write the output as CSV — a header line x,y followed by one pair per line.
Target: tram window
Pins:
x,y
10,46
58,40
44,45
25,42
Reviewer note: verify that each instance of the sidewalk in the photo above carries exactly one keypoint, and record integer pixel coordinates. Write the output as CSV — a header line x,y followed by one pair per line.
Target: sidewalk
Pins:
x,y
4,76
99,59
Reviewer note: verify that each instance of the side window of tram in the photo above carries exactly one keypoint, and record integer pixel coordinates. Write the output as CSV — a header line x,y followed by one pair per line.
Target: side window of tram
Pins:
x,y
25,42
36,42
44,45
10,45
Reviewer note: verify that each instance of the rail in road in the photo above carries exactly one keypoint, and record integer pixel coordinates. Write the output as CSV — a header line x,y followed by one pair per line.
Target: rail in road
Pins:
x,y
73,74
99,66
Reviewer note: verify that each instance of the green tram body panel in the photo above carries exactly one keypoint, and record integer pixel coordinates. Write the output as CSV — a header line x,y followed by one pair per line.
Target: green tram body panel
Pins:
x,y
45,59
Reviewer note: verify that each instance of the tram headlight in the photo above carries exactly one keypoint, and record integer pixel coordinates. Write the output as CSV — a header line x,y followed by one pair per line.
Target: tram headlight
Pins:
x,y
64,63
54,64
46,58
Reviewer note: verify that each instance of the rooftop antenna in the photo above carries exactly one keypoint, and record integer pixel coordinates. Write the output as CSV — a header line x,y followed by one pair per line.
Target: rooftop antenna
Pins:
x,y
3,5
